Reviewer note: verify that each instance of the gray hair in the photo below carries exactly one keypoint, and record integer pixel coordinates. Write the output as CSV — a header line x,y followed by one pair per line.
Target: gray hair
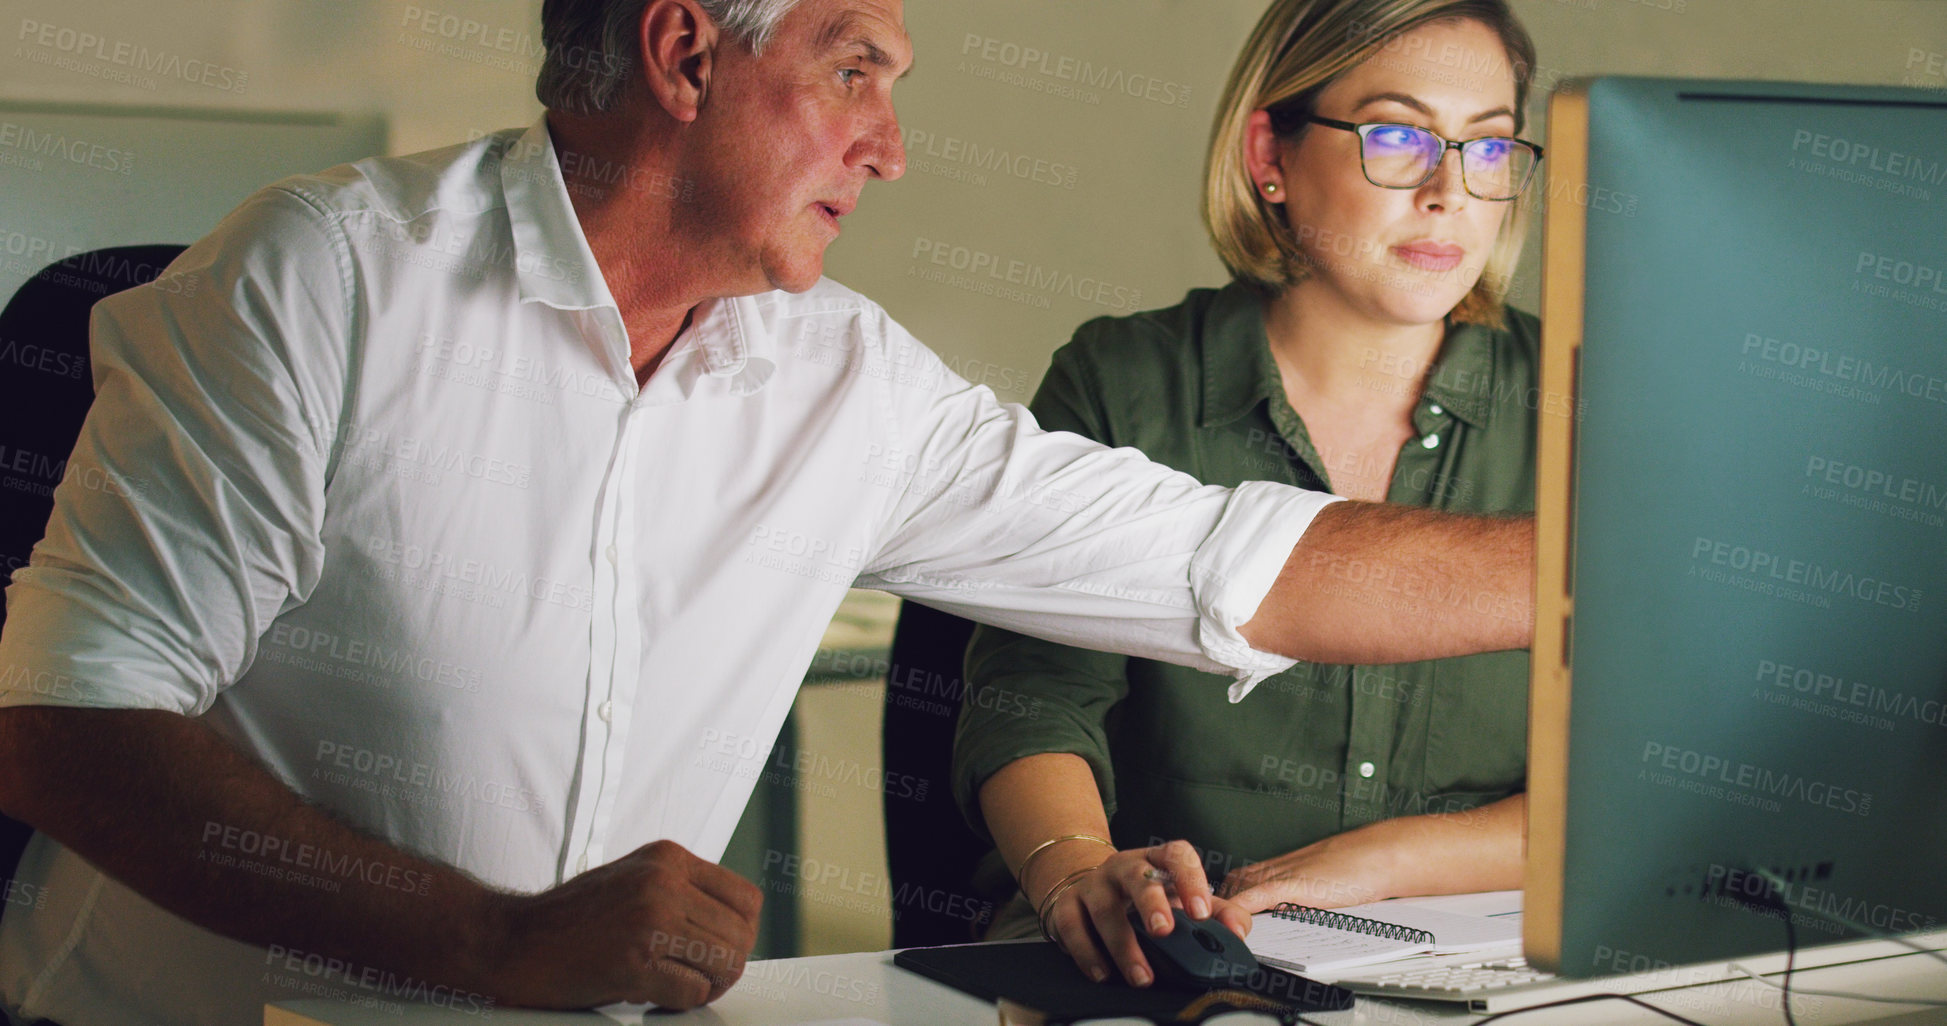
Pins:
x,y
591,45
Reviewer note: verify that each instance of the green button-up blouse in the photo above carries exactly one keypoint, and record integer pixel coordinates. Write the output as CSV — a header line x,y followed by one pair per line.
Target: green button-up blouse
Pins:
x,y
1318,749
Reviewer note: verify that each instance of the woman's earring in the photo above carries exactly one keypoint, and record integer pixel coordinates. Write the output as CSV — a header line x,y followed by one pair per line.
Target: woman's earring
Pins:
x,y
1270,188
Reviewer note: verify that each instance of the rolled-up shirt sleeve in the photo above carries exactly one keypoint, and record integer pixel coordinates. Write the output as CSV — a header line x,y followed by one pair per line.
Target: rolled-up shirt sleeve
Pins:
x,y
189,512
1056,536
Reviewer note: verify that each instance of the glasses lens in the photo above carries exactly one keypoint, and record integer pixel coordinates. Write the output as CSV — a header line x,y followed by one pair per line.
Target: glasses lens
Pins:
x,y
1497,168
1399,156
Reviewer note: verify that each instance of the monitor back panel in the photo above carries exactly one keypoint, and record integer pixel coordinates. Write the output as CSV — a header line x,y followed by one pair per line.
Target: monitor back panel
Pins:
x,y
1741,654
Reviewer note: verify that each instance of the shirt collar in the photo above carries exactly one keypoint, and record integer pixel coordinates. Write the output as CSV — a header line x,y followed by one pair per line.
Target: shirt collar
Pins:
x,y
555,266
1239,371
551,256
713,355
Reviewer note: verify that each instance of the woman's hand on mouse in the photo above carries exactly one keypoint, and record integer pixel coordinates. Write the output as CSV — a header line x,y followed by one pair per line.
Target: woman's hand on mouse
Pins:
x,y
1086,915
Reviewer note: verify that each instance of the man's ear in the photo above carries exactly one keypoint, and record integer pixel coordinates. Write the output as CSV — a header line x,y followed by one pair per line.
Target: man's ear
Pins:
x,y
679,44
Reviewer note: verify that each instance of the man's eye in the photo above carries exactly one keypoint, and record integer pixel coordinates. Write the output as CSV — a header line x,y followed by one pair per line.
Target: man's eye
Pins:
x,y
846,75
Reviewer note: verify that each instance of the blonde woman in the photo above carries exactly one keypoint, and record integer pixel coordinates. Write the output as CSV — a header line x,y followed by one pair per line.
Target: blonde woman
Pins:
x,y
1367,188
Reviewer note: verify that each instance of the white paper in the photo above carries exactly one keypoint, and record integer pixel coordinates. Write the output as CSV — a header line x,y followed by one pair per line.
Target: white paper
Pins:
x,y
1458,922
631,1015
625,1013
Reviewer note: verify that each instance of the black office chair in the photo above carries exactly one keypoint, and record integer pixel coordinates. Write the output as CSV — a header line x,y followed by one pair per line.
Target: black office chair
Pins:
x,y
46,387
930,852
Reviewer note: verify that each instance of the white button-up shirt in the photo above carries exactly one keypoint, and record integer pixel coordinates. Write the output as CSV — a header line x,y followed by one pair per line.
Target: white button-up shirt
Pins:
x,y
369,486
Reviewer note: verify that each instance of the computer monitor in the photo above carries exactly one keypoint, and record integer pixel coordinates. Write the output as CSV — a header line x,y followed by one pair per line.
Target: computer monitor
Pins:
x,y
1739,701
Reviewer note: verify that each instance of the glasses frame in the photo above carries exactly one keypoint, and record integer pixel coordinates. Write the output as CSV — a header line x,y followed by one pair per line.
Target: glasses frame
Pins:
x,y
1362,129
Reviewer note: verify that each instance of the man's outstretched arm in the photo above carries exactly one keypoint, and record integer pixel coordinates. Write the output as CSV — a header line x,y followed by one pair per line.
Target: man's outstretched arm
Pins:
x,y
163,799
1377,583
1052,535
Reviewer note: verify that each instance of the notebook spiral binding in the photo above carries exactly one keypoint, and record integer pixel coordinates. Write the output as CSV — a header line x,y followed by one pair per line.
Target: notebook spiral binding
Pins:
x,y
1351,924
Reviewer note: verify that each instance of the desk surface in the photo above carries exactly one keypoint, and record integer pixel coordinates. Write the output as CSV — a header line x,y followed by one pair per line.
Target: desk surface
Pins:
x,y
867,986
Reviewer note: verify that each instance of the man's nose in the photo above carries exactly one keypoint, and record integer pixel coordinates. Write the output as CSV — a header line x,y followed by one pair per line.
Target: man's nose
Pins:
x,y
882,149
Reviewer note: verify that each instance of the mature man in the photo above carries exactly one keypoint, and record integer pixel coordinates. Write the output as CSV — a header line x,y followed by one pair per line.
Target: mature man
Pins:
x,y
487,506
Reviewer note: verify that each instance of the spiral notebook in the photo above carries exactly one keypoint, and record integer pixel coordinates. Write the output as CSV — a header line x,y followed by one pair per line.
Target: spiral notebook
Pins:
x,y
1311,940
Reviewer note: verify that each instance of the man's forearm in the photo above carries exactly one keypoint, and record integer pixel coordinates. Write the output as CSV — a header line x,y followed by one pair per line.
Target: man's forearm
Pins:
x,y
1377,583
172,810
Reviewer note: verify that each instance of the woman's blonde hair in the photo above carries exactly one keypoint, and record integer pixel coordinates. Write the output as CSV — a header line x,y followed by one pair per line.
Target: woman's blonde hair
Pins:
x,y
1298,49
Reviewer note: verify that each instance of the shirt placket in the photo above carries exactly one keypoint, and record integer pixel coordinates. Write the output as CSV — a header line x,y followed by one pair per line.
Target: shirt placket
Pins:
x,y
615,638
1369,725
1368,748
1421,475
1306,468
1418,474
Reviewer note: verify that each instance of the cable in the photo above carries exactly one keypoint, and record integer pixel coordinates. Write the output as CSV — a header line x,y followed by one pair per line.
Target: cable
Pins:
x,y
1776,903
1842,994
1774,900
1586,998
1770,902
1791,959
1778,883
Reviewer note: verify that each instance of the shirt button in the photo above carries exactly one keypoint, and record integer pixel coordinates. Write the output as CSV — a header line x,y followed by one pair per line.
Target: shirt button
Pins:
x,y
610,553
1367,769
1430,442
1434,408
581,864
605,710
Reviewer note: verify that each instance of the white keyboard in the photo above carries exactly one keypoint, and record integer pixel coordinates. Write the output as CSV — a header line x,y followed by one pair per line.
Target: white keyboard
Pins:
x,y
1501,980
1473,976
1450,980
1494,984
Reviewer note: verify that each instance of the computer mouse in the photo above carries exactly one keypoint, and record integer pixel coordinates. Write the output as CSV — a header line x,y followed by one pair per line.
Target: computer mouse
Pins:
x,y
1198,954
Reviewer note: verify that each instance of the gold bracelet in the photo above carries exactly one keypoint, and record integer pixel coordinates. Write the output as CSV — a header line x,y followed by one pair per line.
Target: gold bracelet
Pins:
x,y
1054,894
1022,876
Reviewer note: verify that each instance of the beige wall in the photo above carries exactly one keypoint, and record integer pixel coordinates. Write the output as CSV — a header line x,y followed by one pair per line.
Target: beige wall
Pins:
x,y
1078,184
1130,218
1104,219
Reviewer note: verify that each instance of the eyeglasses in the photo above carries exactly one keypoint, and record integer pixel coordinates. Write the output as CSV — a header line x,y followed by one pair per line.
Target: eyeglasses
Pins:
x,y
1493,167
